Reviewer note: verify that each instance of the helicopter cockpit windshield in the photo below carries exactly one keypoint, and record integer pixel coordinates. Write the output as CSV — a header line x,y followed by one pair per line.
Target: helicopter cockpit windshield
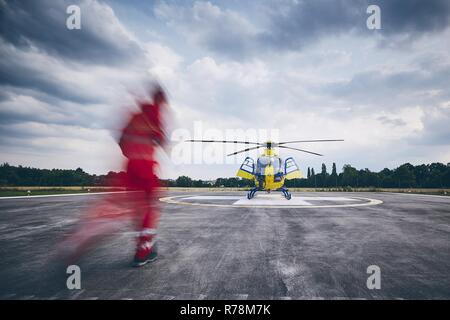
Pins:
x,y
264,161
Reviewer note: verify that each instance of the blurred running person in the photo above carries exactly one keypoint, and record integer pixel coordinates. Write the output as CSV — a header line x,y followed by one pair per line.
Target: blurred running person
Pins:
x,y
140,138
143,134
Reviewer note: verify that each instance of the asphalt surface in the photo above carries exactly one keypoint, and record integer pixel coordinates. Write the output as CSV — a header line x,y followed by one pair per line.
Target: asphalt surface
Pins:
x,y
232,252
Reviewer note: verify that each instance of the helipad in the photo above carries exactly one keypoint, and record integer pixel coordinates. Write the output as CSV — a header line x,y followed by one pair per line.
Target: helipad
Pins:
x,y
236,252
271,200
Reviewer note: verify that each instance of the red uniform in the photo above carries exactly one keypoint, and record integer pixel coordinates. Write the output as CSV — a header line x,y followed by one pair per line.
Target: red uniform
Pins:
x,y
143,133
139,140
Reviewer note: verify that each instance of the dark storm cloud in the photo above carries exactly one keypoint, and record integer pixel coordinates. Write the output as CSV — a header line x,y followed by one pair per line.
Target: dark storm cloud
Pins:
x,y
396,89
291,25
16,134
25,144
296,25
9,117
414,16
39,52
22,107
43,24
22,74
3,96
44,65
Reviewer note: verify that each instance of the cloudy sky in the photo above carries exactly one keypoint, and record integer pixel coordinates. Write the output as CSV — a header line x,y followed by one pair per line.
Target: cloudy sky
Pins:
x,y
298,69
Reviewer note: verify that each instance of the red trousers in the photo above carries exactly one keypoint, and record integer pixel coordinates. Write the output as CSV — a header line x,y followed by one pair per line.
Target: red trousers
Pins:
x,y
141,177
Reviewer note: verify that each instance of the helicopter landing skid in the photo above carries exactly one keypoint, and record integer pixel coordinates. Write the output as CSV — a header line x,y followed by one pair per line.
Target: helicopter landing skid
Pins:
x,y
286,193
251,193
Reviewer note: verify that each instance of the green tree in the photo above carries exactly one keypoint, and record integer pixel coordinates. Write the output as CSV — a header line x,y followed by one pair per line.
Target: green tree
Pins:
x,y
334,176
184,181
404,176
349,176
313,178
323,176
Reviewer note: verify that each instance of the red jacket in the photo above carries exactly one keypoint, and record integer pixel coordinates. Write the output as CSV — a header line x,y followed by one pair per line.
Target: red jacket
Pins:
x,y
143,133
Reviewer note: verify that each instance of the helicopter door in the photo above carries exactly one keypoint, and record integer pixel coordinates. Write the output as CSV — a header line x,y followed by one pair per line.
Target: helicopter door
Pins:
x,y
291,169
247,169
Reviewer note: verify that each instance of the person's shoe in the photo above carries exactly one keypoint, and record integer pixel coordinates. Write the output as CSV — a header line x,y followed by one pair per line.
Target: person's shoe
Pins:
x,y
145,253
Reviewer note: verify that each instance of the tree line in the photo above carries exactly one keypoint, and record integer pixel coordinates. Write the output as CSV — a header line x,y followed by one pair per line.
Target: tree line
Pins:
x,y
26,176
434,175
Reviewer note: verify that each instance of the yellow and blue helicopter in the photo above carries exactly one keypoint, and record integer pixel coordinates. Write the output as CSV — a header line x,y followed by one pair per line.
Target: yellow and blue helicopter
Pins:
x,y
270,170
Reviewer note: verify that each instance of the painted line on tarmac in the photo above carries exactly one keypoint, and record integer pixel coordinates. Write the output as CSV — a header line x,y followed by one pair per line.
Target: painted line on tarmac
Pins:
x,y
62,195
274,200
173,200
418,194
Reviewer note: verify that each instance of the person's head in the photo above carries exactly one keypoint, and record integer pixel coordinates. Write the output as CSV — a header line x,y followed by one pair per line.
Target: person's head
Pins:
x,y
159,96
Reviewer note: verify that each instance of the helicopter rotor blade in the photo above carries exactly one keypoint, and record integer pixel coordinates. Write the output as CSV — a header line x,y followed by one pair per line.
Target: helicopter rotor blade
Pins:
x,y
224,141
317,154
316,140
248,149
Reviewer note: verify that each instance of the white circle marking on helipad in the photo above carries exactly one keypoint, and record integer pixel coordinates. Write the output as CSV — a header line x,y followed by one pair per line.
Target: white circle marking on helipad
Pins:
x,y
278,203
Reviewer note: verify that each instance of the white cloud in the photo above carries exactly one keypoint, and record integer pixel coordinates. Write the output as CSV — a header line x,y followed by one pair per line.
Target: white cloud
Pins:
x,y
390,104
222,31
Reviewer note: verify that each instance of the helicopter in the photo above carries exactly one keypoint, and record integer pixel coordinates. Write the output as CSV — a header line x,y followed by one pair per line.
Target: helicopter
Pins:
x,y
270,172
